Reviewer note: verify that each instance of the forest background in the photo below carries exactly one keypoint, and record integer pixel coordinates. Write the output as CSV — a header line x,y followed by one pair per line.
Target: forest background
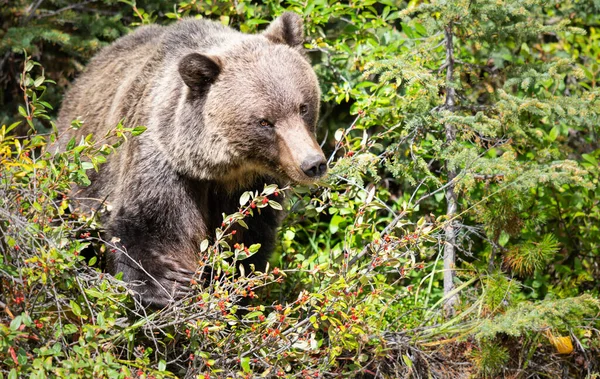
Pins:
x,y
457,234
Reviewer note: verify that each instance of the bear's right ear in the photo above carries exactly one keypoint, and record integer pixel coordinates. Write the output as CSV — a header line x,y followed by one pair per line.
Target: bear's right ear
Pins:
x,y
199,71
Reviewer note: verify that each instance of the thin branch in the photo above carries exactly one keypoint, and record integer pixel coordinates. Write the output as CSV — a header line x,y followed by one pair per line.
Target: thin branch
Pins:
x,y
72,6
31,13
385,231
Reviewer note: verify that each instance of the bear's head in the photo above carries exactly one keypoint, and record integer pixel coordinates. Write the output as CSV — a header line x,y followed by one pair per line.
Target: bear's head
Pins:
x,y
251,107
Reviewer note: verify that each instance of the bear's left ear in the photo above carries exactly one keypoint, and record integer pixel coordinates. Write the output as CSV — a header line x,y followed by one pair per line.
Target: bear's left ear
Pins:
x,y
286,29
199,71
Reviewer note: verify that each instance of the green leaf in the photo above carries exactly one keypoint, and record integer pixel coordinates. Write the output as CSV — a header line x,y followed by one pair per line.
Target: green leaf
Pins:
x,y
275,205
162,365
334,223
69,329
12,126
22,111
39,81
270,189
22,356
244,198
75,308
289,235
590,158
203,246
87,165
338,134
420,29
256,21
245,363
138,130
252,315
71,144
408,30
503,239
16,323
553,134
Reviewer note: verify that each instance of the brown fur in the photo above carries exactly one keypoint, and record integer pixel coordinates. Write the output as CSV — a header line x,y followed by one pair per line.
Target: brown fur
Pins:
x,y
202,90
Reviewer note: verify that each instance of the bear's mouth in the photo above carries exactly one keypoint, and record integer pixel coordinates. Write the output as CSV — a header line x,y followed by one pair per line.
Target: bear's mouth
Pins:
x,y
295,175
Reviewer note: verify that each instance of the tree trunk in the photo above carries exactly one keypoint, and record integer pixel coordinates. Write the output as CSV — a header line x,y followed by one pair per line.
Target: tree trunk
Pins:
x,y
451,228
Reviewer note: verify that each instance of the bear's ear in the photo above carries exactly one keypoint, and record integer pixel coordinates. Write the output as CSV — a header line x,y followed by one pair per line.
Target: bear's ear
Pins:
x,y
199,71
286,29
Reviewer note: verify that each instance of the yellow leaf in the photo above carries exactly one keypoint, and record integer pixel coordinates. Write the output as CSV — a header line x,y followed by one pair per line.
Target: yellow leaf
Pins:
x,y
562,344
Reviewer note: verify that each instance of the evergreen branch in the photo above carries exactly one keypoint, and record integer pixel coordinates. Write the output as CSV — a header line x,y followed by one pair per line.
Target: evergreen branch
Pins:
x,y
452,183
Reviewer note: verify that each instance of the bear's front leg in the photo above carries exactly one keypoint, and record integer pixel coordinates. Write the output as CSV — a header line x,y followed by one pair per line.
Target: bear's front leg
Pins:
x,y
157,226
156,278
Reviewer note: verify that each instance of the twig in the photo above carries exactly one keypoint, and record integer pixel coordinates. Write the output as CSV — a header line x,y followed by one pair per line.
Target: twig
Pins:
x,y
338,145
72,6
32,12
387,229
353,183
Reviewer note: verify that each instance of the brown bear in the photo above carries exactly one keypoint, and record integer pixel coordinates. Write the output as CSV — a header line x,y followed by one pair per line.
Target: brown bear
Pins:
x,y
225,112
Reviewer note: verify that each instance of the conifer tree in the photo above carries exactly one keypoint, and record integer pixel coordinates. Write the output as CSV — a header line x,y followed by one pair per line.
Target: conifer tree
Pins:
x,y
494,116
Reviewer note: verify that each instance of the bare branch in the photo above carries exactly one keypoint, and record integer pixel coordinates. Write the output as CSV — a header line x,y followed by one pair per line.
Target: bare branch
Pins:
x,y
31,13
72,6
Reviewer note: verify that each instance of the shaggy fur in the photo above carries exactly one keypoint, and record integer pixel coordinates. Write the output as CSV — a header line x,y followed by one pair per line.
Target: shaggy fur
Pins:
x,y
226,112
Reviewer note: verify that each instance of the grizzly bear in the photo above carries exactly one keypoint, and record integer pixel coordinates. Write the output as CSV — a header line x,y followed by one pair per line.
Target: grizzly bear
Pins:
x,y
225,112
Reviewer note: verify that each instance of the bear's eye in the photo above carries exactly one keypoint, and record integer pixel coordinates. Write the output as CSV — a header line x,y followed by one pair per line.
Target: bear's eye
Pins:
x,y
303,109
265,124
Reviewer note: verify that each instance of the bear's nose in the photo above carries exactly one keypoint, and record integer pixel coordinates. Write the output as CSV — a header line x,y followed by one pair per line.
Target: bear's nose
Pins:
x,y
314,166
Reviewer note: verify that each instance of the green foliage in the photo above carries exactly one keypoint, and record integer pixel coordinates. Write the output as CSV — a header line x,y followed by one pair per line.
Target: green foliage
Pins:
x,y
498,291
562,314
529,256
490,359
356,286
